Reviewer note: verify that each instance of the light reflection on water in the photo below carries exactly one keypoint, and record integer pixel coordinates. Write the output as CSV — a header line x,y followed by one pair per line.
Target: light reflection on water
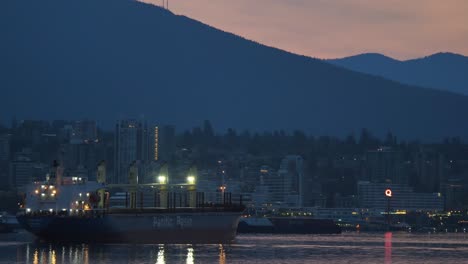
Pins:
x,y
385,248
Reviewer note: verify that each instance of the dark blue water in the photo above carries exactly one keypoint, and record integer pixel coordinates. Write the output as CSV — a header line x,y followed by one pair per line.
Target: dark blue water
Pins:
x,y
271,249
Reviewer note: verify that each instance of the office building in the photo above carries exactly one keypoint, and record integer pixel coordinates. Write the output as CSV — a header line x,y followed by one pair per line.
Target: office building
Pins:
x,y
372,195
131,145
385,165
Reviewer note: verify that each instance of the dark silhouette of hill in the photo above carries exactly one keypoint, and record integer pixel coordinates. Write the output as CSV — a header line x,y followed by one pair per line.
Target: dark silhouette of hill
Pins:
x,y
443,71
109,59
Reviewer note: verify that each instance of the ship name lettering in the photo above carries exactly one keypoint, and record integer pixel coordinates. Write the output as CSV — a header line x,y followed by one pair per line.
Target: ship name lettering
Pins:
x,y
184,222
165,221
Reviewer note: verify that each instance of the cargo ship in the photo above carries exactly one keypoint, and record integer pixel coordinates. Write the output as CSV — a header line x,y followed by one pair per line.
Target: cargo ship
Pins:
x,y
73,209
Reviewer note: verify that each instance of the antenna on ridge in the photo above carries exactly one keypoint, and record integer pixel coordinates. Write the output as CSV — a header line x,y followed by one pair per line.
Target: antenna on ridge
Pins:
x,y
165,4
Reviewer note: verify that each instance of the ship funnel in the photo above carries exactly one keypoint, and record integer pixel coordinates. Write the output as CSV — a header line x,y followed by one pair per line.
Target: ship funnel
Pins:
x,y
56,173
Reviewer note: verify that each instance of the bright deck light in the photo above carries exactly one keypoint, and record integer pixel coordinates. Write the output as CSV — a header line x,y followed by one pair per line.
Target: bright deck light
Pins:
x,y
191,180
162,179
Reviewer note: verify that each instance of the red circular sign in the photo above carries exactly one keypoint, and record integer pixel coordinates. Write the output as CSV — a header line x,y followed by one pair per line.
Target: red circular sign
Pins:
x,y
388,193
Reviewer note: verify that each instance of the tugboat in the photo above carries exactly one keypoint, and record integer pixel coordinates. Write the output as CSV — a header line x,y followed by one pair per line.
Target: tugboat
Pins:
x,y
73,209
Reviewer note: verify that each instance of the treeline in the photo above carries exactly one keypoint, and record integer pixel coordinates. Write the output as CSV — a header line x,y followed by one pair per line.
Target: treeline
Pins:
x,y
280,142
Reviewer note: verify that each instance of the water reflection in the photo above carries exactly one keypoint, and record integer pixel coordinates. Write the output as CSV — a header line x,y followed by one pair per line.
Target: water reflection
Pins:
x,y
388,248
107,253
350,248
190,258
222,255
160,258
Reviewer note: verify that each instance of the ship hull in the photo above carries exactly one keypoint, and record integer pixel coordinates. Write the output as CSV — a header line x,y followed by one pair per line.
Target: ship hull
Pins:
x,y
135,228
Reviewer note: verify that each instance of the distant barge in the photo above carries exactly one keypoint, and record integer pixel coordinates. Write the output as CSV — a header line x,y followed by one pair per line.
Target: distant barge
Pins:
x,y
287,225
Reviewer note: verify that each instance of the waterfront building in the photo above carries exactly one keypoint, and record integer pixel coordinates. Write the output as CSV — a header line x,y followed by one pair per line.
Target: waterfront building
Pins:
x,y
283,187
372,195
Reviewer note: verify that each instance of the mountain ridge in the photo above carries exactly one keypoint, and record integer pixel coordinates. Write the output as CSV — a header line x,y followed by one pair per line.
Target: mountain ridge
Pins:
x,y
129,58
442,71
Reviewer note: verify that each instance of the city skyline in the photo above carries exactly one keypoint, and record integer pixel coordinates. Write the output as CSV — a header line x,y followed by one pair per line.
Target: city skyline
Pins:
x,y
334,29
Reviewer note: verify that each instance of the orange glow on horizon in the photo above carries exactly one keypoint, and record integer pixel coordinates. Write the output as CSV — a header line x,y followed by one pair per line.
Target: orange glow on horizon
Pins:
x,y
333,29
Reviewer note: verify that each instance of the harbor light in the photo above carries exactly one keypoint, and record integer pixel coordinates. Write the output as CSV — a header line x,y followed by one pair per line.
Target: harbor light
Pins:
x,y
54,192
191,179
162,179
43,194
28,210
36,191
51,210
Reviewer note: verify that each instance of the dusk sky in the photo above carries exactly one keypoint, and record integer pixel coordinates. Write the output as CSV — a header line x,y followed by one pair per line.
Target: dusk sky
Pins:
x,y
336,28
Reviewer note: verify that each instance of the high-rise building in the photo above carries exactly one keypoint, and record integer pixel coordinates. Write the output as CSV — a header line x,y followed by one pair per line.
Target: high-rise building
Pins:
x,y
84,155
156,143
167,142
385,165
21,172
291,172
4,147
4,162
131,143
84,130
429,167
